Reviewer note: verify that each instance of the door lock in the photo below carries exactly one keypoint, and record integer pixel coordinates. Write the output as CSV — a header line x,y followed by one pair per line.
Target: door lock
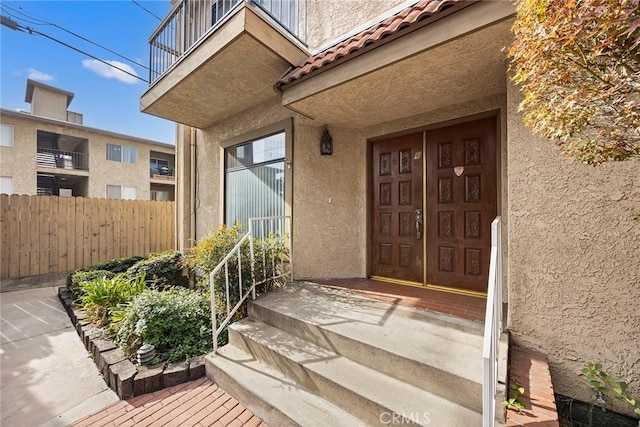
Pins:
x,y
419,223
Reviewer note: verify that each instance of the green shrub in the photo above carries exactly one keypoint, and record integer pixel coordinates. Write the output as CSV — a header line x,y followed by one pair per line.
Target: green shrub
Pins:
x,y
101,296
161,270
78,277
118,265
210,250
176,321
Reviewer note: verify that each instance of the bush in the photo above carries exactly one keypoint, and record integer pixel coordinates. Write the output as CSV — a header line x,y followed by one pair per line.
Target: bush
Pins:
x,y
101,296
78,277
161,270
118,265
210,250
176,321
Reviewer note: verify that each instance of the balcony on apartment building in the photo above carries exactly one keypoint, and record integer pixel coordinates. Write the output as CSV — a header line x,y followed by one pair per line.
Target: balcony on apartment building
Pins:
x,y
211,59
67,154
162,166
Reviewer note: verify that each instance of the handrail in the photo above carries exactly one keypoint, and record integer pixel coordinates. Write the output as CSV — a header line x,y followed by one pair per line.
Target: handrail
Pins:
x,y
278,227
492,328
190,22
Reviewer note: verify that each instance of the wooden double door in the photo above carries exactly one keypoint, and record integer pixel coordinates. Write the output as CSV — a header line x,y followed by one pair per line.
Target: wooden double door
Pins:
x,y
434,195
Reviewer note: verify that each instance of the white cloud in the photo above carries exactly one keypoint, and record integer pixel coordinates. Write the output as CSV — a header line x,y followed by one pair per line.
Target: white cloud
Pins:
x,y
39,75
108,72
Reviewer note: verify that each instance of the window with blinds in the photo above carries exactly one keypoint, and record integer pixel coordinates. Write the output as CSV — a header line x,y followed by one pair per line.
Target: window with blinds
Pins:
x,y
254,179
6,135
121,192
122,153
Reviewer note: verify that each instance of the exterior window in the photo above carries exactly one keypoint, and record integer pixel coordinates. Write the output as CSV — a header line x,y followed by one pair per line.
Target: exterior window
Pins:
x,y
6,184
160,196
121,192
122,153
254,179
6,135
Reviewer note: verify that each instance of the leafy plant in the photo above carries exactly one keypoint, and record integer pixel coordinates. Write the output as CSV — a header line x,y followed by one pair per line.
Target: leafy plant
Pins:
x,y
78,277
513,401
101,296
578,66
604,384
176,321
161,270
271,255
116,266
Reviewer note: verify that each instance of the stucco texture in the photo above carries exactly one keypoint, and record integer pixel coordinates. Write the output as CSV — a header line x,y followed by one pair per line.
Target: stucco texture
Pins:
x,y
327,20
574,259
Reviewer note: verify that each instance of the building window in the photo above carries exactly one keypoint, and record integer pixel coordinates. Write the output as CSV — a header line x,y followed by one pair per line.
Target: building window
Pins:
x,y
121,192
6,184
122,153
6,135
160,195
254,179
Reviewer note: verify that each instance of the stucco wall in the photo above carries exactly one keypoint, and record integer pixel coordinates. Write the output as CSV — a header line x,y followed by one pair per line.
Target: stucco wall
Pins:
x,y
327,20
574,259
47,103
19,161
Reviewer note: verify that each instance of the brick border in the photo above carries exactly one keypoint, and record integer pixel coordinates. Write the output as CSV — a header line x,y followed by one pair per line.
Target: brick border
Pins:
x,y
120,374
530,369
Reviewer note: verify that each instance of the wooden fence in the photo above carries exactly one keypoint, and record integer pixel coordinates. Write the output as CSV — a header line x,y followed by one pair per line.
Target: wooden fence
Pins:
x,y
42,235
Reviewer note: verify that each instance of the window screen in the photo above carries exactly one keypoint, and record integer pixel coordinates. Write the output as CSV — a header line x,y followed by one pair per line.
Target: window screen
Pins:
x,y
6,135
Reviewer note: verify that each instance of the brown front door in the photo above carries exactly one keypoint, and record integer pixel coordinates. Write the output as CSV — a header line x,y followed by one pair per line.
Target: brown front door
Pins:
x,y
461,203
397,243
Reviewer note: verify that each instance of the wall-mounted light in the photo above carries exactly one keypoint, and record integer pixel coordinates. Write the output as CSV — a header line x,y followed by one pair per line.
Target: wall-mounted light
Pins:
x,y
326,143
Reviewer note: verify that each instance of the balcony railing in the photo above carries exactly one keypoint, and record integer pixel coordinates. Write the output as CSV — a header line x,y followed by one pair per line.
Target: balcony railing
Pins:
x,y
51,158
162,172
191,20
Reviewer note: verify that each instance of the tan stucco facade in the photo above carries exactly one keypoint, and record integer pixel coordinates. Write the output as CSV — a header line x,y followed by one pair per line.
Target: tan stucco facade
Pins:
x,y
573,259
570,243
19,161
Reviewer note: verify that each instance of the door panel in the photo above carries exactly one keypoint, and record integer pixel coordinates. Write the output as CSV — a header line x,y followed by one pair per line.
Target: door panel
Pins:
x,y
461,203
397,249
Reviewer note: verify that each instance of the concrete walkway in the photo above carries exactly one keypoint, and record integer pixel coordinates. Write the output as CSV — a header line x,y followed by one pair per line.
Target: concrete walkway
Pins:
x,y
47,377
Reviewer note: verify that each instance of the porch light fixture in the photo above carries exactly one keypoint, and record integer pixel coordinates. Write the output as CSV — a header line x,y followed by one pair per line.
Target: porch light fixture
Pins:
x,y
326,143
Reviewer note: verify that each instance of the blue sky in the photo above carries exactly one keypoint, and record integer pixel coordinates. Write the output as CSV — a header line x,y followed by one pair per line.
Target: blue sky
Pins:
x,y
108,99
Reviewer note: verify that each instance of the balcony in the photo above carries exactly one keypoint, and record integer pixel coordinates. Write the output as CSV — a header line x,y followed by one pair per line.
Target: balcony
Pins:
x,y
59,159
162,172
211,59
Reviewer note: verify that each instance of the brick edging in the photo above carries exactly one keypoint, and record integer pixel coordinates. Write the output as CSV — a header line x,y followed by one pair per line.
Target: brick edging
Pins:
x,y
530,369
120,374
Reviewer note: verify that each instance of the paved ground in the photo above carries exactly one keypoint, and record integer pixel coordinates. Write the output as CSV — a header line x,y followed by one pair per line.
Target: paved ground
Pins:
x,y
198,403
47,377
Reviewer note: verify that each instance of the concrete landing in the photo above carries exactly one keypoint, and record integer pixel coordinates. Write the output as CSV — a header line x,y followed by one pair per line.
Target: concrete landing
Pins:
x,y
47,377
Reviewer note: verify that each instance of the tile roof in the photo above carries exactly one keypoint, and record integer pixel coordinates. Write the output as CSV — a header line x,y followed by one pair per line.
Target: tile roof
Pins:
x,y
403,22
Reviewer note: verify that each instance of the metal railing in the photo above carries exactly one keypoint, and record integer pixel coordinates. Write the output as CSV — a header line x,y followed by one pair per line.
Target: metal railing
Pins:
x,y
52,158
492,328
267,258
162,171
189,21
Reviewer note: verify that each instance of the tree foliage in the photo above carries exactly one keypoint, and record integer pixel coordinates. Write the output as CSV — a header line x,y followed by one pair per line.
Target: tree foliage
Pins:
x,y
578,65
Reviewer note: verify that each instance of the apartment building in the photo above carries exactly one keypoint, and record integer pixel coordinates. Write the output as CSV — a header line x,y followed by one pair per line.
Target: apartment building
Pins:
x,y
48,151
392,140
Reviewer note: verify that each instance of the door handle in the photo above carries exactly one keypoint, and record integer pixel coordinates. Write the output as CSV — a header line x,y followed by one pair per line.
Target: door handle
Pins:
x,y
419,223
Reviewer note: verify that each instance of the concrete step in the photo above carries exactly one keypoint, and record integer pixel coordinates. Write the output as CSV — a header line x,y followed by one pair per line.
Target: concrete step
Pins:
x,y
270,395
372,396
437,353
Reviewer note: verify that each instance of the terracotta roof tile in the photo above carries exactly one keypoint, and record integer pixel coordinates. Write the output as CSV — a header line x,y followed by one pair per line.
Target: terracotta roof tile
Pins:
x,y
407,19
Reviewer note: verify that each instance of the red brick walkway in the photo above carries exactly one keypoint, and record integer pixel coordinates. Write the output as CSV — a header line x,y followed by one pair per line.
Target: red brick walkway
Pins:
x,y
197,403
